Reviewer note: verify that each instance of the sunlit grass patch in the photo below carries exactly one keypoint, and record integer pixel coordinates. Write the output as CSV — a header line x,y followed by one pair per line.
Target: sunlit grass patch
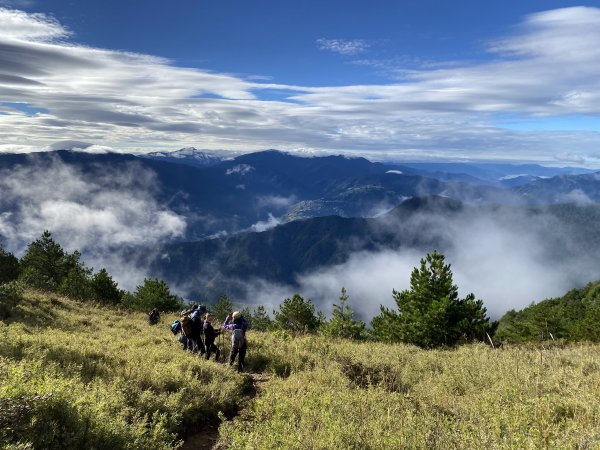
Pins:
x,y
342,394
94,377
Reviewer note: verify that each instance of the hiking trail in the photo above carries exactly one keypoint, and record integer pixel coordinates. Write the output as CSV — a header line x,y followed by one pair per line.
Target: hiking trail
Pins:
x,y
206,436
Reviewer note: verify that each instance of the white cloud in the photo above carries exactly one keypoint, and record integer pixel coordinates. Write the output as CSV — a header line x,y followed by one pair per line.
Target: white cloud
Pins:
x,y
508,259
344,46
264,225
576,196
23,26
240,169
276,201
97,213
549,67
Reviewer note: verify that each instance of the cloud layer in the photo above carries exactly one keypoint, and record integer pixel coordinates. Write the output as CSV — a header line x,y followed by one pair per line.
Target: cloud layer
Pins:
x,y
509,258
54,89
99,213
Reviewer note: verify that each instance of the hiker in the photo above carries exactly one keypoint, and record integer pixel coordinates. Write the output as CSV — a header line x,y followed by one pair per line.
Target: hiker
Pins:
x,y
186,328
153,317
238,326
209,337
195,334
177,328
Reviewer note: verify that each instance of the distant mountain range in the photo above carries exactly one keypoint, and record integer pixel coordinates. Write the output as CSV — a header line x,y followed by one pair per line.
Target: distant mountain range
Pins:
x,y
274,215
492,172
230,195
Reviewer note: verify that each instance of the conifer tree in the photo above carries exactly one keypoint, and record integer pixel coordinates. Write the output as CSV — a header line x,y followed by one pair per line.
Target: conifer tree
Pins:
x,y
77,283
342,323
221,308
45,265
155,293
297,315
430,313
105,289
9,266
260,320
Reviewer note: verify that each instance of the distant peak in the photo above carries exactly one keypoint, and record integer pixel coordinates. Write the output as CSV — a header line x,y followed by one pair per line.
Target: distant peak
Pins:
x,y
187,155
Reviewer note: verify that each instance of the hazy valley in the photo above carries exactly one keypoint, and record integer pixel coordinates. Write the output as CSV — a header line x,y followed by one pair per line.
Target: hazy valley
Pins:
x,y
261,226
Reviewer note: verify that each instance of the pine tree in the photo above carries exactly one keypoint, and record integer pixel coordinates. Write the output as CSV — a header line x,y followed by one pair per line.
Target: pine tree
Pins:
x,y
77,284
105,289
342,323
260,319
155,293
221,308
430,313
9,266
297,315
44,264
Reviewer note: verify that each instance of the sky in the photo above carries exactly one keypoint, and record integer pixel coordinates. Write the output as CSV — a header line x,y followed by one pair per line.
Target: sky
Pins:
x,y
390,80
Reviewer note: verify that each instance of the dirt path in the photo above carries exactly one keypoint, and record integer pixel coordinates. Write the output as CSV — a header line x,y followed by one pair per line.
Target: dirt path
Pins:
x,y
204,439
207,436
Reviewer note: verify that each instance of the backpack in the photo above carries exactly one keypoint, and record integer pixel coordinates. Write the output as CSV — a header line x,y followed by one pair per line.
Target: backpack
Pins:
x,y
237,338
186,325
175,327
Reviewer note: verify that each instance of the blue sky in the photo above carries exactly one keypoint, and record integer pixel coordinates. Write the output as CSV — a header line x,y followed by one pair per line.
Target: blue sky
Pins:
x,y
404,80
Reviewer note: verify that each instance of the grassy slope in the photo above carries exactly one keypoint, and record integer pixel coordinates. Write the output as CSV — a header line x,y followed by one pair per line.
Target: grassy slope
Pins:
x,y
90,377
376,396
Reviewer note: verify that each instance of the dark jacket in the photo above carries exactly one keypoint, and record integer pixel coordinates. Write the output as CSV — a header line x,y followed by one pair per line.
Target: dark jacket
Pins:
x,y
210,333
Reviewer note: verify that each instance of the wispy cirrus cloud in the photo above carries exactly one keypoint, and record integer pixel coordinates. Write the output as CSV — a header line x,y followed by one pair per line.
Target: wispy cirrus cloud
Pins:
x,y
35,27
344,47
548,67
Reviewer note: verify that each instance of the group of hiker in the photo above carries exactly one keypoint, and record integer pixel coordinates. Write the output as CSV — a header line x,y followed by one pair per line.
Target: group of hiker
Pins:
x,y
198,335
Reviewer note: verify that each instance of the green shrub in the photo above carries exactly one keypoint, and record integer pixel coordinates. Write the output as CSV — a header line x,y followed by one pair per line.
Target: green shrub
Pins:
x,y
9,266
10,295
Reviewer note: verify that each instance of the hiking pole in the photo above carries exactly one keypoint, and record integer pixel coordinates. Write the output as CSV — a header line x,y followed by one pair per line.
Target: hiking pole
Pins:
x,y
220,344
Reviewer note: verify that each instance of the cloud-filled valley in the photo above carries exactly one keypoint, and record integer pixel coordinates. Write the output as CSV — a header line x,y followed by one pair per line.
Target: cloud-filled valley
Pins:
x,y
507,263
140,217
103,212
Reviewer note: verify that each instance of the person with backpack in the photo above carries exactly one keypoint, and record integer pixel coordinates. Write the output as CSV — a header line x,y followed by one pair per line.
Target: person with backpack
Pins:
x,y
210,335
177,328
186,332
191,328
153,317
238,325
195,334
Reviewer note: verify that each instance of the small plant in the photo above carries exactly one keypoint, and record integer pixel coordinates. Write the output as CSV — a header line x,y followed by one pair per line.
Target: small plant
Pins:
x,y
342,324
